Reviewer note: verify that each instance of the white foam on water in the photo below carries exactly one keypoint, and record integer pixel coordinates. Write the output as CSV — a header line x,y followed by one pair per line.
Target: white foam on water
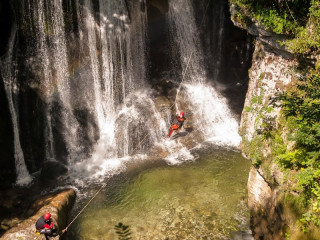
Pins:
x,y
179,156
211,115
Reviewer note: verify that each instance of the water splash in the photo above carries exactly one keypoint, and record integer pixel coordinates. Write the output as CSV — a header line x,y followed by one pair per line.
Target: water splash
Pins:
x,y
212,115
138,127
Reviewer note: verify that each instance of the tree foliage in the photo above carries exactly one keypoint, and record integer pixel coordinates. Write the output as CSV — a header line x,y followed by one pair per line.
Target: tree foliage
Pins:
x,y
302,106
298,19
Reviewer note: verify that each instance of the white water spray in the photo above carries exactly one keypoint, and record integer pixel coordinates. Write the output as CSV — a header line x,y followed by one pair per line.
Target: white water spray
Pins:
x,y
51,52
185,33
211,115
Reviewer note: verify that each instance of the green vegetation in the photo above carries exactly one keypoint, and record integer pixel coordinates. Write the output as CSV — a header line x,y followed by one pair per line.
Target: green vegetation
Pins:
x,y
294,141
307,39
123,231
282,17
298,19
294,138
301,108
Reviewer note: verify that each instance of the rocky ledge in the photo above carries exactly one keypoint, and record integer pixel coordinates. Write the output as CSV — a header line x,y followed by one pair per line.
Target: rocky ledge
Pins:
x,y
58,204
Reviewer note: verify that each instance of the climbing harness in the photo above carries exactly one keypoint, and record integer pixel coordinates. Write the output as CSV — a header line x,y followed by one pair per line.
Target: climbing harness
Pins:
x,y
143,139
36,232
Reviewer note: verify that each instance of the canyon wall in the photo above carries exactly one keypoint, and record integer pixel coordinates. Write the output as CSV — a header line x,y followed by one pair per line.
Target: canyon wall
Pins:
x,y
272,201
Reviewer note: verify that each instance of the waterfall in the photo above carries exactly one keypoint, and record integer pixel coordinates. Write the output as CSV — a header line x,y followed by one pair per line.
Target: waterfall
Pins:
x,y
37,18
8,71
116,50
114,73
50,50
209,109
184,33
87,62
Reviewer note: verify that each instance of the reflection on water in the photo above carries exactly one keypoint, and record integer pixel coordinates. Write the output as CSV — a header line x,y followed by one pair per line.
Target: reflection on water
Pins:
x,y
205,199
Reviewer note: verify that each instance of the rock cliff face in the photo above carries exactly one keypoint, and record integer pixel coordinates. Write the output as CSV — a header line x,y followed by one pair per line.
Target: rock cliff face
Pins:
x,y
268,75
273,215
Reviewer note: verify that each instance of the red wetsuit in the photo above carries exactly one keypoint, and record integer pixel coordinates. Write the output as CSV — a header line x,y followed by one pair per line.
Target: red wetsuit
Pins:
x,y
177,125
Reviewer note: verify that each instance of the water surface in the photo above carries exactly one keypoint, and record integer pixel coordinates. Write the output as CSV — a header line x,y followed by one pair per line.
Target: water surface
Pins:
x,y
202,199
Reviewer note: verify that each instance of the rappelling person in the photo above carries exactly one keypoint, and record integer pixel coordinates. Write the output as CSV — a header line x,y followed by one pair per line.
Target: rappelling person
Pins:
x,y
177,125
44,225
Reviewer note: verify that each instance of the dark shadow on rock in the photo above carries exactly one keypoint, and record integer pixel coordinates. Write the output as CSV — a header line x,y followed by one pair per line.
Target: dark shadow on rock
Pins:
x,y
51,170
188,129
180,134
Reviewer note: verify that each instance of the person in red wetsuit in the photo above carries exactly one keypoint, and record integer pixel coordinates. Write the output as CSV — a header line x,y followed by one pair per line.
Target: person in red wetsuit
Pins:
x,y
44,225
177,125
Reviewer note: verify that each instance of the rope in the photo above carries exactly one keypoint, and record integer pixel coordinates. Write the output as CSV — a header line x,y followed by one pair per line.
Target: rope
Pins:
x,y
184,74
291,12
103,185
143,139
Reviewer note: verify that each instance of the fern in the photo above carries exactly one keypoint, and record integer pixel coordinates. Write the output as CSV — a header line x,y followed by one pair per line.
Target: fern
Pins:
x,y
123,231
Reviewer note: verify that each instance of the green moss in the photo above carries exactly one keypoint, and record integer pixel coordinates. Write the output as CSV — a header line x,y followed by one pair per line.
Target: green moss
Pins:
x,y
301,119
253,149
248,109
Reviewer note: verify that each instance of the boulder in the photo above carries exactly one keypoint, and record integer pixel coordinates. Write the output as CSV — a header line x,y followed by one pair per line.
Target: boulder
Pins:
x,y
57,204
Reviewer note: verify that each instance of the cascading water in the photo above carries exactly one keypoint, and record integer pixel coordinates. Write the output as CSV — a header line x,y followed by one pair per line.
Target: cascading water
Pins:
x,y
184,33
88,62
211,115
50,50
120,96
91,80
8,70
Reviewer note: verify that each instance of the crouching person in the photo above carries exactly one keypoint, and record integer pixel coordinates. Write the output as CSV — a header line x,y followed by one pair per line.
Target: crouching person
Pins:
x,y
44,225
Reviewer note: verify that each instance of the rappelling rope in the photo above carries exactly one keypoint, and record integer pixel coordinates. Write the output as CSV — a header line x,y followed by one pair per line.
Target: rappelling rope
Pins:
x,y
103,186
143,139
184,74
